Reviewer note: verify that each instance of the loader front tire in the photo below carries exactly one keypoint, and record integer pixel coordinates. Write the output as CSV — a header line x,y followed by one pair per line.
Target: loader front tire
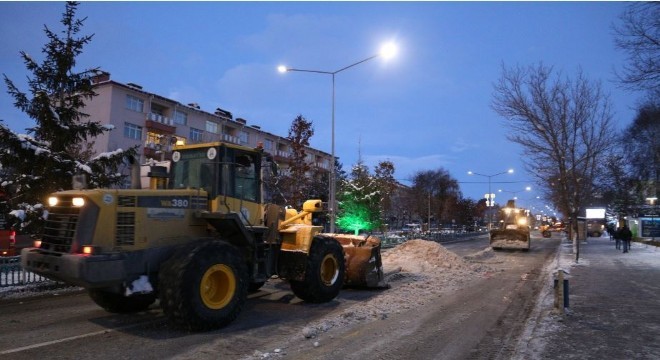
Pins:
x,y
204,289
324,272
120,304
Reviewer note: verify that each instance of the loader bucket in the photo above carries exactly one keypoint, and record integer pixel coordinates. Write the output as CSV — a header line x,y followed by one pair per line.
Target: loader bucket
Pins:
x,y
364,266
509,239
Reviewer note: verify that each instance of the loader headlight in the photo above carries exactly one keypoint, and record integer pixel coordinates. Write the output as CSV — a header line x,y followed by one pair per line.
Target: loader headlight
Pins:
x,y
52,201
522,221
78,202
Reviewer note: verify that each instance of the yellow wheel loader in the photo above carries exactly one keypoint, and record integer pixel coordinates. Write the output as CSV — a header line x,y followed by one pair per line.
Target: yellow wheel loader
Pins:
x,y
200,244
513,232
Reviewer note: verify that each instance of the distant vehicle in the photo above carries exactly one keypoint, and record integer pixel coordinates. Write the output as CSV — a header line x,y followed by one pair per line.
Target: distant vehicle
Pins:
x,y
513,232
412,228
7,239
596,227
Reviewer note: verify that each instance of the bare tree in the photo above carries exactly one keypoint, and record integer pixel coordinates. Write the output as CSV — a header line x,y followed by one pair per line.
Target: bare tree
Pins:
x,y
641,145
436,193
564,127
639,36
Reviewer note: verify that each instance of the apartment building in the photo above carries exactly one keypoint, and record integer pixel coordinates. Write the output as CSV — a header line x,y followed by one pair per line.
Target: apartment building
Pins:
x,y
155,123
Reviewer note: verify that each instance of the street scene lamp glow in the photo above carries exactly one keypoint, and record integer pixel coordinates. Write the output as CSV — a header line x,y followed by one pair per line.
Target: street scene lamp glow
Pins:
x,y
490,197
388,50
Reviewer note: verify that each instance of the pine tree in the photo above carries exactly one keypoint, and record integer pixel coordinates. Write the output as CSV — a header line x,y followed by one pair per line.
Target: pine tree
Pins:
x,y
43,161
295,182
360,201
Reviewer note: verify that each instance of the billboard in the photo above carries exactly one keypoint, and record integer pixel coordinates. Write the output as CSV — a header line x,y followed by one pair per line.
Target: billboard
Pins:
x,y
595,213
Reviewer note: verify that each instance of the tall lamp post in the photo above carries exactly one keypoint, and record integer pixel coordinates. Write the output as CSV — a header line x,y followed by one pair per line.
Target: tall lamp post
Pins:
x,y
652,201
490,196
387,51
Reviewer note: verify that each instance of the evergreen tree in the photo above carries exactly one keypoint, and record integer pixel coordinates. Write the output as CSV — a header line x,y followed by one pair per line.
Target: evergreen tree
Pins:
x,y
359,201
44,160
294,183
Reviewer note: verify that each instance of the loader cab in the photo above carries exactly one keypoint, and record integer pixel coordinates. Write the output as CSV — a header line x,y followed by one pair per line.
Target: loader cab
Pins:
x,y
219,169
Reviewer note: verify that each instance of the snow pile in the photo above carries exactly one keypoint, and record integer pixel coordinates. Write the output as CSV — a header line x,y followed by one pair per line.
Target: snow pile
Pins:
x,y
423,257
418,271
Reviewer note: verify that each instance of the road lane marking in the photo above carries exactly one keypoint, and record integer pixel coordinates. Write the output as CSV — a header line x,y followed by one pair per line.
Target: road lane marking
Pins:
x,y
53,342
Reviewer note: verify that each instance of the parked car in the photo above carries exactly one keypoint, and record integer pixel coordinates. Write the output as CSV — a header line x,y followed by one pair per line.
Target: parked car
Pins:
x,y
7,239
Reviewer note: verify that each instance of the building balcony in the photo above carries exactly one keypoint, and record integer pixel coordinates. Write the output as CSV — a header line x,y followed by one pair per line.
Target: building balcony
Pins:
x,y
157,152
230,139
283,156
161,123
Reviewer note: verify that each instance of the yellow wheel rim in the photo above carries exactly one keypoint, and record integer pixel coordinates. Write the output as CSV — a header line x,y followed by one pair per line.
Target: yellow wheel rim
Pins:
x,y
218,286
329,270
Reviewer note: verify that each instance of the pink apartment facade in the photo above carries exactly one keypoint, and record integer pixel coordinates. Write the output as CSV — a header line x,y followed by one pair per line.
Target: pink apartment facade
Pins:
x,y
154,123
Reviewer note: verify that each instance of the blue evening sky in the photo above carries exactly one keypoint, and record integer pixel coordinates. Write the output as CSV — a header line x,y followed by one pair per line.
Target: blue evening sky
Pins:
x,y
427,108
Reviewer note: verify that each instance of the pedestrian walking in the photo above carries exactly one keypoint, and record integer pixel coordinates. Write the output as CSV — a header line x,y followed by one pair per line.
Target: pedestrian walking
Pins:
x,y
617,238
610,231
625,236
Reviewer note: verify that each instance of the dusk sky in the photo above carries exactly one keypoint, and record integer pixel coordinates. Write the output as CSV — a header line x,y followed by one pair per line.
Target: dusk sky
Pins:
x,y
429,107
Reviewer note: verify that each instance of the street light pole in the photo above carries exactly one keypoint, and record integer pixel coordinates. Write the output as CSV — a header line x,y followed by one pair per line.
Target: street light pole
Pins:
x,y
387,51
490,196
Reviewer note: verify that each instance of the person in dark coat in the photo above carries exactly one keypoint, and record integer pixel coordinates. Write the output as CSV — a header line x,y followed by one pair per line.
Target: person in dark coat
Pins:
x,y
617,238
626,236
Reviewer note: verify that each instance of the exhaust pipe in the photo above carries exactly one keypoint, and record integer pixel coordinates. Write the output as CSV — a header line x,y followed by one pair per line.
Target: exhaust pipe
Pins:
x,y
135,173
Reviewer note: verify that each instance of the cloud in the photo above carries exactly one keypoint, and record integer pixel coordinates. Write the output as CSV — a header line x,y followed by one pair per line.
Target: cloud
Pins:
x,y
461,145
406,167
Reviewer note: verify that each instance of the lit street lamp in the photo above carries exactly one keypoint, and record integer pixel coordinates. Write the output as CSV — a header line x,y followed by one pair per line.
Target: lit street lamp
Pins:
x,y
490,196
387,51
528,188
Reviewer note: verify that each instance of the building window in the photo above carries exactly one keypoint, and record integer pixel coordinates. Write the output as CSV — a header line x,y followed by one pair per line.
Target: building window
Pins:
x,y
268,144
134,103
243,137
212,127
180,117
196,135
132,131
153,140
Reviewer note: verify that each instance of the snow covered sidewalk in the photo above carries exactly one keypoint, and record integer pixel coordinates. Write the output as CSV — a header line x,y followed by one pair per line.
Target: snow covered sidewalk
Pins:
x,y
614,300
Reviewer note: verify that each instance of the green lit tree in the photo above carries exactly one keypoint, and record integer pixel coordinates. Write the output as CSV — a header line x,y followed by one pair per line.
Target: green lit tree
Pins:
x,y
360,200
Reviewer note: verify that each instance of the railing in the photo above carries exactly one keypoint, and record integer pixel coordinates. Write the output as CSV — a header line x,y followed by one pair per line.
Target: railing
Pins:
x,y
393,239
12,274
160,118
230,139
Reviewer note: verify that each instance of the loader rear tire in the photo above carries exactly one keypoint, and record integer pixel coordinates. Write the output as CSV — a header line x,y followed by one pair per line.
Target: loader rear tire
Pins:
x,y
205,288
120,304
324,272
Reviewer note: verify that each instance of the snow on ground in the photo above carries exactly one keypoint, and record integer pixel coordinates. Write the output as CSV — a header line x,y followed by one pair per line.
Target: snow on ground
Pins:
x,y
418,271
37,289
545,319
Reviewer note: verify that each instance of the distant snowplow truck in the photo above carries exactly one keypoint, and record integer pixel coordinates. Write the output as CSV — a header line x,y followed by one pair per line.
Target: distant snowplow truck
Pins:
x,y
513,232
198,246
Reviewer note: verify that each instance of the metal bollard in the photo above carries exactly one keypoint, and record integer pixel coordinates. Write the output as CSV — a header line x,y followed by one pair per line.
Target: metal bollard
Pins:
x,y
561,292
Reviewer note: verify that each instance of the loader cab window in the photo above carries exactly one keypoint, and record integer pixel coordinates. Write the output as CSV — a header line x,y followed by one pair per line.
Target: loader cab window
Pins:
x,y
240,178
192,169
219,171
